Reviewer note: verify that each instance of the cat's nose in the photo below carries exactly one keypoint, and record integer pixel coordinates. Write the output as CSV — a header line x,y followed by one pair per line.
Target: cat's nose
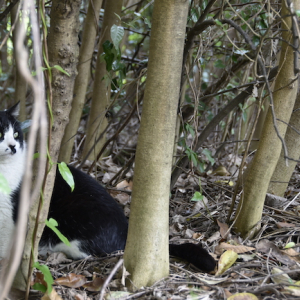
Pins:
x,y
13,148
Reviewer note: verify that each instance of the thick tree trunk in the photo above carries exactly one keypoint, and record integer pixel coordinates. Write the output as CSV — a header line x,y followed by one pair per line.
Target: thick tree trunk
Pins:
x,y
146,255
264,162
81,82
283,172
101,93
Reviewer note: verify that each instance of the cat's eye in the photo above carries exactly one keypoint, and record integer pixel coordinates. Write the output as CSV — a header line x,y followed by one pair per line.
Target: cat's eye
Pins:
x,y
16,134
0,135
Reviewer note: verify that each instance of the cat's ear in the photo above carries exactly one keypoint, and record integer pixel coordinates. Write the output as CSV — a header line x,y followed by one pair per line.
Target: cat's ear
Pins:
x,y
14,110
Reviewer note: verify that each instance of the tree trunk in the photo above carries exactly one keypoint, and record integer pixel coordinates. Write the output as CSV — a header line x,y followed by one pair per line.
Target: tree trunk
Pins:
x,y
146,255
101,93
283,173
63,51
81,82
20,82
256,184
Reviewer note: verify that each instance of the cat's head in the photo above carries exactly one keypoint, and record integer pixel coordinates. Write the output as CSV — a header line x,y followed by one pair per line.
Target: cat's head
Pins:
x,y
11,136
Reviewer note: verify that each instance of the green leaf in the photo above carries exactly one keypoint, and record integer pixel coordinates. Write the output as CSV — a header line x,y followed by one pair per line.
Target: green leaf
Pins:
x,y
109,59
52,224
66,174
47,275
107,46
39,287
219,23
192,156
219,64
208,155
59,68
147,21
116,33
4,187
289,245
197,197
190,129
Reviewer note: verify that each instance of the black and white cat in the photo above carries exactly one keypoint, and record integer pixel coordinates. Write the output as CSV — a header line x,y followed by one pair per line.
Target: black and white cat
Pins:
x,y
89,217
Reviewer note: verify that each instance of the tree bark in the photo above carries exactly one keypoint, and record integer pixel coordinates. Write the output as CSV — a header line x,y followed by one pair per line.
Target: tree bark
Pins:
x,y
63,51
146,255
283,172
97,122
249,211
81,82
20,82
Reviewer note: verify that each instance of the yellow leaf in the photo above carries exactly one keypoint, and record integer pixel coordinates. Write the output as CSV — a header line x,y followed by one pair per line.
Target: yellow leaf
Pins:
x,y
226,260
242,296
281,278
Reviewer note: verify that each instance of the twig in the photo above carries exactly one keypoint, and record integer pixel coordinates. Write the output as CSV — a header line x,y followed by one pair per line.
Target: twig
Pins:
x,y
108,279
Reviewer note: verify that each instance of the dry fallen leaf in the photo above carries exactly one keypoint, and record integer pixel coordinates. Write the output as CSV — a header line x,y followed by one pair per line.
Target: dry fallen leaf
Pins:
x,y
197,236
116,295
220,171
95,285
224,229
226,260
281,277
71,280
214,237
52,296
293,290
243,296
122,198
125,185
39,278
271,249
292,253
284,224
236,248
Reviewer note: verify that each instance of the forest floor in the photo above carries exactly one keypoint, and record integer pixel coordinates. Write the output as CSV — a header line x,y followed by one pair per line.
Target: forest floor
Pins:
x,y
265,266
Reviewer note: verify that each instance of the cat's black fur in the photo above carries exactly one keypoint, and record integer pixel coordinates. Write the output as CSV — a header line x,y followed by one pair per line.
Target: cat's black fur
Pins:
x,y
93,220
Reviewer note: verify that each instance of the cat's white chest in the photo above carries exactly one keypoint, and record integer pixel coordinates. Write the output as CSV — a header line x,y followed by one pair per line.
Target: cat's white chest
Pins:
x,y
6,224
12,165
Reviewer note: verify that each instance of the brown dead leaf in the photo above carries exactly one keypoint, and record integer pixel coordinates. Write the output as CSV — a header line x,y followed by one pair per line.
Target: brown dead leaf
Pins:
x,y
71,280
39,278
95,285
284,224
270,248
292,253
197,235
52,296
223,229
77,295
227,293
125,185
236,248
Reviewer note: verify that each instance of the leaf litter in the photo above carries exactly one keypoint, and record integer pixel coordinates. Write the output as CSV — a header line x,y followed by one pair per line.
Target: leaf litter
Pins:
x,y
256,268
